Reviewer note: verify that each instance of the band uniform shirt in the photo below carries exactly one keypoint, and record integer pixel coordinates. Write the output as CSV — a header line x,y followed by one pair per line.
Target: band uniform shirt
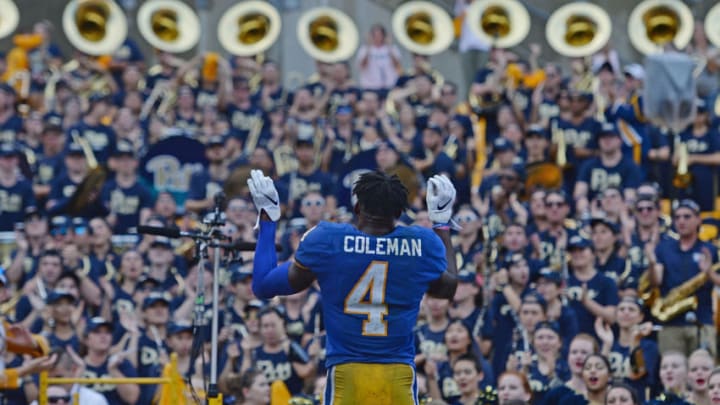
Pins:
x,y
15,201
679,267
625,175
371,288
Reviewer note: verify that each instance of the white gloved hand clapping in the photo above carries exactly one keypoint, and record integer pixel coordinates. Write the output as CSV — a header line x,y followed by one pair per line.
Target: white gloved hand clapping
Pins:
x,y
264,194
440,199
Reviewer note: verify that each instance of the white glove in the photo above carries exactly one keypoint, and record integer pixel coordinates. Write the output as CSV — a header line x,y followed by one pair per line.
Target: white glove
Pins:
x,y
264,194
440,199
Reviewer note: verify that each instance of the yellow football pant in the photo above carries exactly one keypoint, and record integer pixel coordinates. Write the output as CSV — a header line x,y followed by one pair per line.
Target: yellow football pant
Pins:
x,y
372,384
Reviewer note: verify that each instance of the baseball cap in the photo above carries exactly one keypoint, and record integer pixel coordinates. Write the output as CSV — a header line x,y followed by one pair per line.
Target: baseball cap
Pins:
x,y
8,149
344,109
608,128
239,275
614,226
534,297
635,70
578,242
155,297
161,241
97,97
465,276
550,275
97,322
686,203
74,148
124,148
536,130
56,295
145,279
502,144
216,140
179,327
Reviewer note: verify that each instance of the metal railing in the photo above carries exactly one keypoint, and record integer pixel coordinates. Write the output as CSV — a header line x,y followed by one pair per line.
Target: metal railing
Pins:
x,y
46,381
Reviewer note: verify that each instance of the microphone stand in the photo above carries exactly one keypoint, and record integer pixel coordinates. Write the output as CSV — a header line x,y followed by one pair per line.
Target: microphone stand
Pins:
x,y
216,220
211,238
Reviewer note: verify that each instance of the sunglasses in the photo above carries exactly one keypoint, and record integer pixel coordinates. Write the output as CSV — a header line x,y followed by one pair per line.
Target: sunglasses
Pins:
x,y
59,232
465,218
683,216
310,203
646,208
554,204
55,399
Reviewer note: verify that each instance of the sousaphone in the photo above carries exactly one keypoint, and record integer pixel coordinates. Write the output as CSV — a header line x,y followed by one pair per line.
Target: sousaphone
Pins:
x,y
501,23
168,25
249,28
712,30
94,27
578,29
327,34
9,19
422,27
654,24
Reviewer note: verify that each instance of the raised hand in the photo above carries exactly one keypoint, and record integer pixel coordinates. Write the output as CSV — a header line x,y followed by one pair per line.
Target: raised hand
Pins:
x,y
264,194
440,199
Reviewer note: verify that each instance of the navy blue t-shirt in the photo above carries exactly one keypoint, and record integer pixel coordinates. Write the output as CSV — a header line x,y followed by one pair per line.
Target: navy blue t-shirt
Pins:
x,y
680,266
10,129
126,203
101,138
704,184
109,390
277,366
293,186
15,201
624,175
601,289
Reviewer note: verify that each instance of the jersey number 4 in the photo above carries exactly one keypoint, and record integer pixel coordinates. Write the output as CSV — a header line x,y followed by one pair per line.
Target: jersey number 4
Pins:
x,y
371,285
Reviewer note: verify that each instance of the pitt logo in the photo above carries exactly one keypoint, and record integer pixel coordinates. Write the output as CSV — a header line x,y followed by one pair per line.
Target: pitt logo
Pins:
x,y
600,179
274,372
575,293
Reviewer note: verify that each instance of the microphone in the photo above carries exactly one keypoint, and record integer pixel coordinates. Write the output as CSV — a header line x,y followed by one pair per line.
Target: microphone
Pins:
x,y
242,246
168,232
219,199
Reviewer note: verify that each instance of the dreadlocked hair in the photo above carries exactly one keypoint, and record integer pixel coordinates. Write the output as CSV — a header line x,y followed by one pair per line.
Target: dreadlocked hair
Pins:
x,y
381,195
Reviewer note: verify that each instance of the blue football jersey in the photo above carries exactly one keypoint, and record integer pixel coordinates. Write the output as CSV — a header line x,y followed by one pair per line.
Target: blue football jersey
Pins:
x,y
371,288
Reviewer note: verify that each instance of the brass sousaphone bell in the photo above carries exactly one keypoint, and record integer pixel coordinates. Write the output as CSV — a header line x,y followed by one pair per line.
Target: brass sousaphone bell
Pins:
x,y
327,34
578,29
422,27
94,27
712,30
168,25
501,23
9,18
249,28
653,24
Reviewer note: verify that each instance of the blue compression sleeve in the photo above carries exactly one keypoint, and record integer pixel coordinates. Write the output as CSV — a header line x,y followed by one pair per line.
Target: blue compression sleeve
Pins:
x,y
269,279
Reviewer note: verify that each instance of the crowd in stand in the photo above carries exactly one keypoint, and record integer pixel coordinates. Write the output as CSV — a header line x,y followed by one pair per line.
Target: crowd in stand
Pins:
x,y
567,292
